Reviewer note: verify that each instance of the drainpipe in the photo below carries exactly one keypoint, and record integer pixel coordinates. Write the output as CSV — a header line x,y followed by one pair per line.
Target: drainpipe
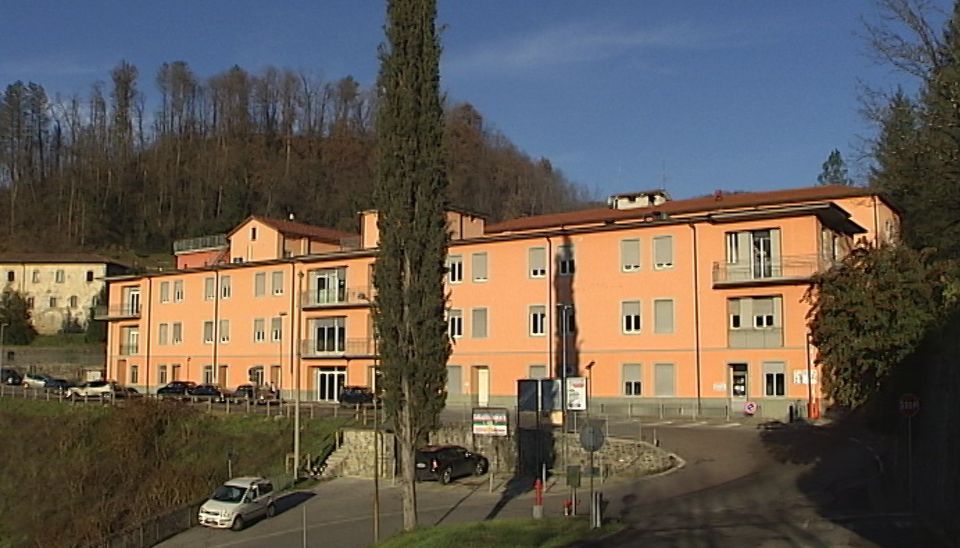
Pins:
x,y
549,312
293,296
216,321
696,314
149,324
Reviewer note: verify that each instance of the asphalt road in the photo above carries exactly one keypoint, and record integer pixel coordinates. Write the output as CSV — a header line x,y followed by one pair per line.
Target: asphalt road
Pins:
x,y
740,485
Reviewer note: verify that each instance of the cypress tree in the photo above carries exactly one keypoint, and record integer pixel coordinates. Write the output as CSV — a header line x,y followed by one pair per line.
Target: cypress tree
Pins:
x,y
410,196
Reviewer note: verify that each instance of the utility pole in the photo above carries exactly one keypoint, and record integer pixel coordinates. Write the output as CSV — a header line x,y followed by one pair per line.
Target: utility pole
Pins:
x,y
296,382
2,327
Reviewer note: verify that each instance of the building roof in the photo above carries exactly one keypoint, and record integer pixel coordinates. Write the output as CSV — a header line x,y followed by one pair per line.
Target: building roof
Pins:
x,y
300,230
54,258
715,202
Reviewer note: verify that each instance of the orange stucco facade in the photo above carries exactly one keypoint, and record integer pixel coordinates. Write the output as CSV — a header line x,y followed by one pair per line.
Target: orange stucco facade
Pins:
x,y
695,303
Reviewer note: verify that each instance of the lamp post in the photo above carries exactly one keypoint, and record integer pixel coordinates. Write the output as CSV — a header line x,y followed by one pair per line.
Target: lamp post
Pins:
x,y
2,327
564,328
589,368
376,438
296,387
281,315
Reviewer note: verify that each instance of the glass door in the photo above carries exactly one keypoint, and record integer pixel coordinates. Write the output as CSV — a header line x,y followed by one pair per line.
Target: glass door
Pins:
x,y
762,254
329,381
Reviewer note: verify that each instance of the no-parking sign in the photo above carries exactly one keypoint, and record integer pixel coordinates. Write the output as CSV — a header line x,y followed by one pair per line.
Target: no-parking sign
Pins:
x,y
750,407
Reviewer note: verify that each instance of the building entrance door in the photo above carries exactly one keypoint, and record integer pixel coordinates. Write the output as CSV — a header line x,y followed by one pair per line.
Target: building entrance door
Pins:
x,y
329,381
738,382
482,384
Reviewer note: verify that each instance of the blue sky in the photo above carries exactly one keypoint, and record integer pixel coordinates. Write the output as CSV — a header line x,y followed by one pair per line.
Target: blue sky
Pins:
x,y
694,95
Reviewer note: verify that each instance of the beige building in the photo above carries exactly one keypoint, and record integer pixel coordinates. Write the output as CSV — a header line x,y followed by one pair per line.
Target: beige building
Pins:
x,y
60,288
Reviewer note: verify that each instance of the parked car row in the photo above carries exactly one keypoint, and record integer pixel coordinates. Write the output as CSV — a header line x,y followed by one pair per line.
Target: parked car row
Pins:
x,y
244,392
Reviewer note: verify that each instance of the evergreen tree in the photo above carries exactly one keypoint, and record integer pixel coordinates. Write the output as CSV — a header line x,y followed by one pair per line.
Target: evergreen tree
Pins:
x,y
96,330
410,195
15,313
834,171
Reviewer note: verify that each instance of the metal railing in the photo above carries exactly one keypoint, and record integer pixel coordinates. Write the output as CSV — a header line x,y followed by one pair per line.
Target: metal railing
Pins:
x,y
312,348
787,267
212,241
342,296
129,349
115,312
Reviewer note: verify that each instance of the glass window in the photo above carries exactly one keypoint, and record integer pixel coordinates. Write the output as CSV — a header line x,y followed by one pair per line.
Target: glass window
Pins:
x,y
662,252
479,267
36,276
134,374
209,288
162,333
538,320
631,319
164,292
225,287
53,302
73,301
224,331
330,334
89,275
207,332
162,374
259,330
630,255
208,377
59,276
537,258
773,377
632,379
276,328
565,260
178,291
277,282
259,284
455,269
177,332
455,323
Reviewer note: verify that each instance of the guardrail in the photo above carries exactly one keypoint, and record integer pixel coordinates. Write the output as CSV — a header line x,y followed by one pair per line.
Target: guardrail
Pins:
x,y
787,267
117,312
343,296
312,348
212,241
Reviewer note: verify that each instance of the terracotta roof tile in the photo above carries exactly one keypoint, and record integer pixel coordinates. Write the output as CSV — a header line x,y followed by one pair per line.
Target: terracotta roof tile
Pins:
x,y
721,201
303,230
52,258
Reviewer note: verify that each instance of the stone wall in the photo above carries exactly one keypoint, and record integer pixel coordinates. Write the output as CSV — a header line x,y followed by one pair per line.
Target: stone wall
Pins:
x,y
68,362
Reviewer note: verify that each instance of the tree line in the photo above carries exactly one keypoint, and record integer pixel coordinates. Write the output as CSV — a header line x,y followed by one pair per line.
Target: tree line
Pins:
x,y
116,170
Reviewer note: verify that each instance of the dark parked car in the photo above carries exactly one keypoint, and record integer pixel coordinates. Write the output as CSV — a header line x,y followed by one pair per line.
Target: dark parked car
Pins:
x,y
176,389
60,386
120,391
444,463
207,391
356,395
10,376
258,395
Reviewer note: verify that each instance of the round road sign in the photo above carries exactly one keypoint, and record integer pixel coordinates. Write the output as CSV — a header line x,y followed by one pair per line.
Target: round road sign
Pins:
x,y
909,405
592,438
750,407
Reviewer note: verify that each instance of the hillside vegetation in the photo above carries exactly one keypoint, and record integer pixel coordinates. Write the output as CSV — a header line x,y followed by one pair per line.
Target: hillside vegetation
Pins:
x,y
73,475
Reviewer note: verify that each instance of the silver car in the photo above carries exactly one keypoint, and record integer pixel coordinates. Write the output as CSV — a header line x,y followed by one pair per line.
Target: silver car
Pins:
x,y
237,502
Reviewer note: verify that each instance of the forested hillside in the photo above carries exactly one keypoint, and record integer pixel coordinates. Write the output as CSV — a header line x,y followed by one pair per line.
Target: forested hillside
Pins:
x,y
141,161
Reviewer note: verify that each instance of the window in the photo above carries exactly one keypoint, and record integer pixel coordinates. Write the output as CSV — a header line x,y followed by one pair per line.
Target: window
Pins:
x,y
224,331
773,379
275,375
178,291
664,380
73,301
259,330
537,372
565,260
162,374
733,310
632,379
255,375
259,284
330,285
276,329
277,280
208,376
225,287
630,311
134,374
89,275
569,314
455,269
30,303
763,314
537,257
630,255
164,292
177,333
162,333
11,276
36,276
53,302
478,323
209,289
663,316
755,322
253,233
662,252
538,320
479,267
733,248
207,332
331,334
59,276
455,323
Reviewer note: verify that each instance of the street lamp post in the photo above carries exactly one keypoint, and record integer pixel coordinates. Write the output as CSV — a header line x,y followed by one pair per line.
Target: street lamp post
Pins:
x,y
296,388
2,327
281,315
565,309
376,459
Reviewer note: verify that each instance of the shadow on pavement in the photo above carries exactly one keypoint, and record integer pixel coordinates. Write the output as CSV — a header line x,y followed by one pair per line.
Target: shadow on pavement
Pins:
x,y
292,500
516,486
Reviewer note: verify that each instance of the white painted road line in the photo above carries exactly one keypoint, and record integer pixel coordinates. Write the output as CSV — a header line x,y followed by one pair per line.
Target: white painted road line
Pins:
x,y
692,424
728,425
661,423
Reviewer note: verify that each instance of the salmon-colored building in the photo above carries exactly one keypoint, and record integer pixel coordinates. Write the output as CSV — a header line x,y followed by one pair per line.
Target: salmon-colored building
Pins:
x,y
695,305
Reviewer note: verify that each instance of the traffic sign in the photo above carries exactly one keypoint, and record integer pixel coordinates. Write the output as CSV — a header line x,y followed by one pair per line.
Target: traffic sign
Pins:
x,y
909,405
750,407
592,438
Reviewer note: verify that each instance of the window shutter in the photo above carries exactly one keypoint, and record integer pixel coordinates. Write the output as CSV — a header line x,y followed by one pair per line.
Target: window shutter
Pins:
x,y
478,324
629,255
538,262
663,316
479,267
663,251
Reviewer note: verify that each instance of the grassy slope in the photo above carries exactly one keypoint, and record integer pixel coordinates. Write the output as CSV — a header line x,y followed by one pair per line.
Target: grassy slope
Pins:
x,y
519,533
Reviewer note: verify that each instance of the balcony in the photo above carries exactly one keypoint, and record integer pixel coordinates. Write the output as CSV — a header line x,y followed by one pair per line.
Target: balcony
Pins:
x,y
788,269
349,348
339,297
129,349
127,311
215,241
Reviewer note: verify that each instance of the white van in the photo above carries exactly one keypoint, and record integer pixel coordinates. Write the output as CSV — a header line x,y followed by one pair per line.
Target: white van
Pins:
x,y
237,502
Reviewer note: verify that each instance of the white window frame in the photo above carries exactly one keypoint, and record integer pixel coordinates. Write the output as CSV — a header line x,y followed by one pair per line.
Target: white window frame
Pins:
x,y
164,292
455,269
536,272
733,247
663,266
176,333
259,284
566,260
637,246
259,330
455,323
537,320
276,280
631,324
226,287
224,331
209,335
480,275
178,291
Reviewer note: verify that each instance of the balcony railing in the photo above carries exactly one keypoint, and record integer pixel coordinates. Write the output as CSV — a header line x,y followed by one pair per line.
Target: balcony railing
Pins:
x,y
129,349
345,296
213,241
117,312
786,268
313,348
